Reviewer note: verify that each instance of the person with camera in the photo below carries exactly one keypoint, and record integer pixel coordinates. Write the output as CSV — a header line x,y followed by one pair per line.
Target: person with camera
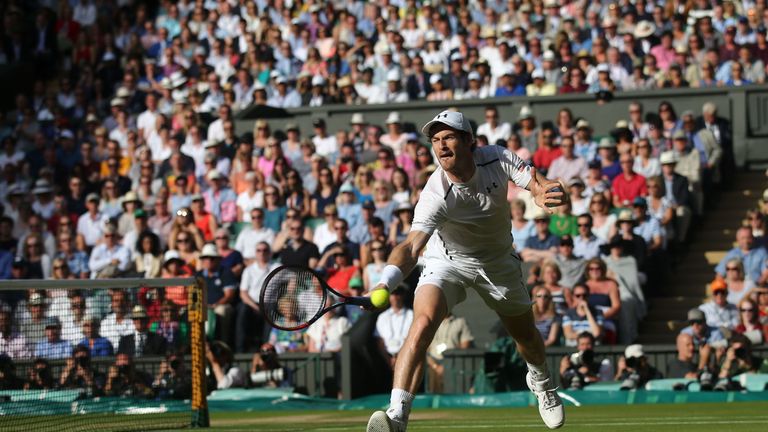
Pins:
x,y
634,371
738,359
581,368
124,379
173,380
40,376
224,373
266,370
8,378
79,374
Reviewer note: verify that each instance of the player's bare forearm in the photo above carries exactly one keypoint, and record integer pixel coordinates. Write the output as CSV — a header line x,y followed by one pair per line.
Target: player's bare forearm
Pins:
x,y
406,254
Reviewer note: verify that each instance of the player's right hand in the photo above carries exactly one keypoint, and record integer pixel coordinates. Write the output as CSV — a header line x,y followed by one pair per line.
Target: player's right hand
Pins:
x,y
368,294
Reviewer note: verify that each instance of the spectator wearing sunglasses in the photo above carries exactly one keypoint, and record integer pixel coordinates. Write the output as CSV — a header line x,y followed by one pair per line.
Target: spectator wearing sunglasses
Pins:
x,y
249,314
581,317
718,311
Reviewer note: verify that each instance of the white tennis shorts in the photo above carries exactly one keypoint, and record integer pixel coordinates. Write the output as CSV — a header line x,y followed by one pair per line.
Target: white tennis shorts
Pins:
x,y
501,285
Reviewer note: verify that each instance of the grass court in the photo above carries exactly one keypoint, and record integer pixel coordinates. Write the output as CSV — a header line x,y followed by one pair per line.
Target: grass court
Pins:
x,y
700,417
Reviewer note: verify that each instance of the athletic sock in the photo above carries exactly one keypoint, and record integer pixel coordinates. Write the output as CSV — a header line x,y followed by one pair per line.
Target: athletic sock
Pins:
x,y
538,372
400,405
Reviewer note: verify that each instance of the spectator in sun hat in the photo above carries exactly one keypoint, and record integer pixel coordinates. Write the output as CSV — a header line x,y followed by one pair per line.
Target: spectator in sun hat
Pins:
x,y
718,312
647,227
222,293
220,200
130,203
542,244
110,258
703,334
174,266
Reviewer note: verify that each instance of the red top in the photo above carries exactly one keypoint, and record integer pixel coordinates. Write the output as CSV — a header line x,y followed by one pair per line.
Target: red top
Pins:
x,y
627,190
339,278
543,157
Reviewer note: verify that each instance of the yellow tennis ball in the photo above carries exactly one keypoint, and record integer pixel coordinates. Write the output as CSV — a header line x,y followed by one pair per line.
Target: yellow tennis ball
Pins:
x,y
380,298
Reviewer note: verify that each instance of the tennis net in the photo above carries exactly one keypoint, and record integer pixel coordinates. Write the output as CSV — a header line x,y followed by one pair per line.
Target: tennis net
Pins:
x,y
102,355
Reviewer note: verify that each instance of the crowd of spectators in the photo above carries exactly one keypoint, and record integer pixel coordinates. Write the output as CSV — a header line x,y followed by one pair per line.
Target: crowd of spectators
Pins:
x,y
122,159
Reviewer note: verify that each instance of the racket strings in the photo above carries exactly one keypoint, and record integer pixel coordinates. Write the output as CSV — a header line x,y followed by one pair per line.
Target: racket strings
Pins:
x,y
292,298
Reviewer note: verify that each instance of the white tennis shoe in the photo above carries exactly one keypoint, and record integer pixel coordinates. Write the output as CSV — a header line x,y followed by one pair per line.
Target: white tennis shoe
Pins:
x,y
550,405
380,422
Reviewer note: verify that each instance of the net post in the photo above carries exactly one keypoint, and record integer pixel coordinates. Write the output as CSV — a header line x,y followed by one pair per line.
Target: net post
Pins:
x,y
197,315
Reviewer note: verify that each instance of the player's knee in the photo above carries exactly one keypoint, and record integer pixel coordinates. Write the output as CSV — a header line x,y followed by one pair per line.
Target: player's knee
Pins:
x,y
424,325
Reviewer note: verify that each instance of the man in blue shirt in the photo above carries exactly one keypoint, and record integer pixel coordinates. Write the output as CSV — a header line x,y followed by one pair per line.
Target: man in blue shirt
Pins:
x,y
586,245
53,347
706,339
96,345
751,255
543,245
647,227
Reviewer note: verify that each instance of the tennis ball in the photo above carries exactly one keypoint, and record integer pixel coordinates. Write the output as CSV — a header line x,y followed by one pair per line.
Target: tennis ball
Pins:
x,y
380,298
555,189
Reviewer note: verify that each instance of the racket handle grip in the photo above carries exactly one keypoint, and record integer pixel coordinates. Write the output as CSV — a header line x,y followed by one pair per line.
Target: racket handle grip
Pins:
x,y
360,301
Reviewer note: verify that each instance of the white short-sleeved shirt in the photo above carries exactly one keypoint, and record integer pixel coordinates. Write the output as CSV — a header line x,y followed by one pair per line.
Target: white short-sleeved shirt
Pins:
x,y
326,333
470,222
392,327
253,279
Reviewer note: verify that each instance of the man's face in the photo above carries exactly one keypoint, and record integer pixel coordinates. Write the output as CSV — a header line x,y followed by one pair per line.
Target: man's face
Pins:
x,y
744,239
90,329
450,146
584,344
210,263
141,324
491,116
52,333
5,322
567,147
542,226
685,346
720,297
257,217
340,228
118,301
296,231
396,300
699,327
681,145
36,310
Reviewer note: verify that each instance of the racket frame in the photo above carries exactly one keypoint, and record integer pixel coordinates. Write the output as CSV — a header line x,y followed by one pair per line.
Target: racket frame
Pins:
x,y
361,301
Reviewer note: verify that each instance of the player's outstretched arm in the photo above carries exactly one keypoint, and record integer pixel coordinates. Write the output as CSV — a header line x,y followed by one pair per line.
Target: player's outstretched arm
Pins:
x,y
402,260
541,190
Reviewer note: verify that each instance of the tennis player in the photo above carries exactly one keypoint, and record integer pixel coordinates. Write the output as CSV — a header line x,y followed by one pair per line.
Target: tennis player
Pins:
x,y
462,218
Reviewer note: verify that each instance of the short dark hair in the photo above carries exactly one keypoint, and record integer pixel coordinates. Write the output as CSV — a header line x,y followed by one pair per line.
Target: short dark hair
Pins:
x,y
586,335
376,222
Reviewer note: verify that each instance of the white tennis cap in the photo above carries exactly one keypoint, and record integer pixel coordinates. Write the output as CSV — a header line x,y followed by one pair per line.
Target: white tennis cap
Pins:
x,y
453,119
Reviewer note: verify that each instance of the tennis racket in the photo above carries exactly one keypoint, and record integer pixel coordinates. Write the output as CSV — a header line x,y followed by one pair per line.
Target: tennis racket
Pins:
x,y
292,298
